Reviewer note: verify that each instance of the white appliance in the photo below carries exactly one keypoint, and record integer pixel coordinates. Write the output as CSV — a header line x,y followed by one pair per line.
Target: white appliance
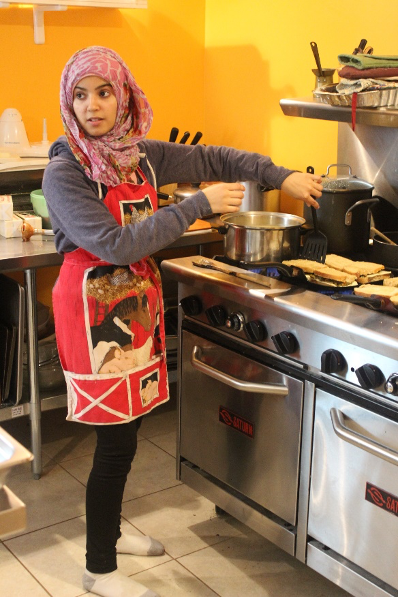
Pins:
x,y
13,137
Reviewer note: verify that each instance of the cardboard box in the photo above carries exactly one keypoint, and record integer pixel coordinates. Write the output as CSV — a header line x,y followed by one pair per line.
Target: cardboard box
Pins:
x,y
6,207
34,221
11,228
12,513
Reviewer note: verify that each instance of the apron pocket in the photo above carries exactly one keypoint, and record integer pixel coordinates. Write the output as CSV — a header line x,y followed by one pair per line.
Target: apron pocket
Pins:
x,y
116,397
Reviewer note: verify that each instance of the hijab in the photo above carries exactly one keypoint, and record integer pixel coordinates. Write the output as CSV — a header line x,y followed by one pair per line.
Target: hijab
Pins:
x,y
113,157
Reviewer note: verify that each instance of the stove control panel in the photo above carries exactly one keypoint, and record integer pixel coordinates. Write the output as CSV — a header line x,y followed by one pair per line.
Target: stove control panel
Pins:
x,y
270,329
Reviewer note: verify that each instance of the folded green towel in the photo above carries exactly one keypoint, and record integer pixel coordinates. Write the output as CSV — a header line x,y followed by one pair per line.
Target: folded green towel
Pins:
x,y
362,61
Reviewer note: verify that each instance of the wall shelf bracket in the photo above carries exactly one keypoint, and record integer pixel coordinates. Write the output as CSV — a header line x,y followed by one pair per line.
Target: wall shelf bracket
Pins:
x,y
38,20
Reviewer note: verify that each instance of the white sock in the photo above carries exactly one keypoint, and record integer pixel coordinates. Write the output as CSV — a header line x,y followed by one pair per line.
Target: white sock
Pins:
x,y
139,545
114,584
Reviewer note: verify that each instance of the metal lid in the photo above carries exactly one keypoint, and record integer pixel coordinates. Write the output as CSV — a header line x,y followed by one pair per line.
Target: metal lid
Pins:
x,y
342,183
184,192
262,220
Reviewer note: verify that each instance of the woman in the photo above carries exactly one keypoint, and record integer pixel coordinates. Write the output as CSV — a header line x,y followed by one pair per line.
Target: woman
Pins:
x,y
100,188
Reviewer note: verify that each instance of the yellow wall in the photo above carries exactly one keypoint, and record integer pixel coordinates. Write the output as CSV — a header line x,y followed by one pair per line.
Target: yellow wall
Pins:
x,y
216,65
258,51
163,45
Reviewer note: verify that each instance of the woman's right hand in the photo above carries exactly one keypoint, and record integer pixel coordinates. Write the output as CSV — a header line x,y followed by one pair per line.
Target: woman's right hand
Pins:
x,y
225,197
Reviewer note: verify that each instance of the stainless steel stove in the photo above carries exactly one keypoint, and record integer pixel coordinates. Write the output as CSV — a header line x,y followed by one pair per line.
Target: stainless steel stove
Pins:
x,y
288,417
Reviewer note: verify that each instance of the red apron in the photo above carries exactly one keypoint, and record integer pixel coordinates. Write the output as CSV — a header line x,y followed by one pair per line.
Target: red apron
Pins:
x,y
110,325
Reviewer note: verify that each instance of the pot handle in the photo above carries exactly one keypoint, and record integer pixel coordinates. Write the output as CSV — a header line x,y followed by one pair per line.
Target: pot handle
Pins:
x,y
373,302
290,271
337,166
164,196
304,228
348,216
220,229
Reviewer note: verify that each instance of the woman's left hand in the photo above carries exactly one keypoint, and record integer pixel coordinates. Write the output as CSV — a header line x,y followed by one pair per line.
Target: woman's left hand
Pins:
x,y
303,186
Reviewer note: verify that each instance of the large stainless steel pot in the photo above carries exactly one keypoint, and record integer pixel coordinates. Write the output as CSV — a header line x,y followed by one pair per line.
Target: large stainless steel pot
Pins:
x,y
255,196
344,215
261,237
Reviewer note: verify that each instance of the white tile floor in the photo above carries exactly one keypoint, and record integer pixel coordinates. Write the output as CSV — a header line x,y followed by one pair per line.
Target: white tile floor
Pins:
x,y
206,555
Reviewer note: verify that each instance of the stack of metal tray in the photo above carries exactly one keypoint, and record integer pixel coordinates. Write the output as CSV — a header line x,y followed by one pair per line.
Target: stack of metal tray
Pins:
x,y
365,99
12,321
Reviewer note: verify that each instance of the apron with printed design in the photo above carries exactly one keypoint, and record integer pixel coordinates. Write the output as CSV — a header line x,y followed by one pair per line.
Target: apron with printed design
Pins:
x,y
110,325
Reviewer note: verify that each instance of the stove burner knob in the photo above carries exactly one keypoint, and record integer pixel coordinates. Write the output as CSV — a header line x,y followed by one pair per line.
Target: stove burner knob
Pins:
x,y
369,376
191,305
332,361
255,331
216,315
391,384
235,321
285,342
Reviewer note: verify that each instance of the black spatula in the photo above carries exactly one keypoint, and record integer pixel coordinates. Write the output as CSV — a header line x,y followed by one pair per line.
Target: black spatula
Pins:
x,y
316,243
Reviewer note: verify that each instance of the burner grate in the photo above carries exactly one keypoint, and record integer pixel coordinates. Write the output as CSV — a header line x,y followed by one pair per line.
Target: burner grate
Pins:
x,y
273,272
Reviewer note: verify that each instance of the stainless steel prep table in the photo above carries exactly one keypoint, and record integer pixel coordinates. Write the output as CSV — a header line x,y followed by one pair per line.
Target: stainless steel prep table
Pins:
x,y
16,255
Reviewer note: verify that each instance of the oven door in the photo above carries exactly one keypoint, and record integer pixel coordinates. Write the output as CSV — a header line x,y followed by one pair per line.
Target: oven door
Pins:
x,y
240,422
353,501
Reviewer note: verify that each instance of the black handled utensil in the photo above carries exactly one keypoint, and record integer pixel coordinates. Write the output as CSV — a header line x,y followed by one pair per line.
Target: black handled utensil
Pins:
x,y
375,302
314,48
185,137
164,196
360,48
173,134
196,138
316,243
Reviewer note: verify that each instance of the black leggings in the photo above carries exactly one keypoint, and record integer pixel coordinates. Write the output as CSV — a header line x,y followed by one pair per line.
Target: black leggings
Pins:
x,y
116,448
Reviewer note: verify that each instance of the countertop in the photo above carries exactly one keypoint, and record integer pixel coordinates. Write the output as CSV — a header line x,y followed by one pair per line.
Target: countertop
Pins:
x,y
40,251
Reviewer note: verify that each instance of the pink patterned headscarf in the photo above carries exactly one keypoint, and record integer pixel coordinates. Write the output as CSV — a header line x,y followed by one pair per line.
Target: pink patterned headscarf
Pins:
x,y
113,157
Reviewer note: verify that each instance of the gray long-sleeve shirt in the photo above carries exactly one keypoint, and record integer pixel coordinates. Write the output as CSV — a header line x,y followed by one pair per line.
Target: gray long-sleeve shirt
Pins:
x,y
81,219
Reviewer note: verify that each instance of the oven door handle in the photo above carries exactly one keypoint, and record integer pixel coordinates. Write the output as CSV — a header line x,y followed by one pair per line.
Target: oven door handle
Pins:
x,y
233,382
358,440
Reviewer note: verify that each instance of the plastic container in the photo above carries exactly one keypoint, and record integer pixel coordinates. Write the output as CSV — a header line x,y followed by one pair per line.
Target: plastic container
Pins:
x,y
40,208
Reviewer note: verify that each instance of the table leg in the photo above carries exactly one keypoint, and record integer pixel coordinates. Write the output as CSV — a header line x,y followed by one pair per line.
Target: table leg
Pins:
x,y
32,345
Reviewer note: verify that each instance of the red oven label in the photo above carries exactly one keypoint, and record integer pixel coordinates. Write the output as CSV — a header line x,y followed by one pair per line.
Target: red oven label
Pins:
x,y
229,418
381,498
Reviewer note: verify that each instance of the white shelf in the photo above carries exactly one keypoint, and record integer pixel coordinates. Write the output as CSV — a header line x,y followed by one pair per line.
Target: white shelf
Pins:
x,y
93,3
40,6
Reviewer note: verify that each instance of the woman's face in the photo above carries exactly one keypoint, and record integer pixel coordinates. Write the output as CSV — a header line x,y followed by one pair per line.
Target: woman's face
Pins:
x,y
95,105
